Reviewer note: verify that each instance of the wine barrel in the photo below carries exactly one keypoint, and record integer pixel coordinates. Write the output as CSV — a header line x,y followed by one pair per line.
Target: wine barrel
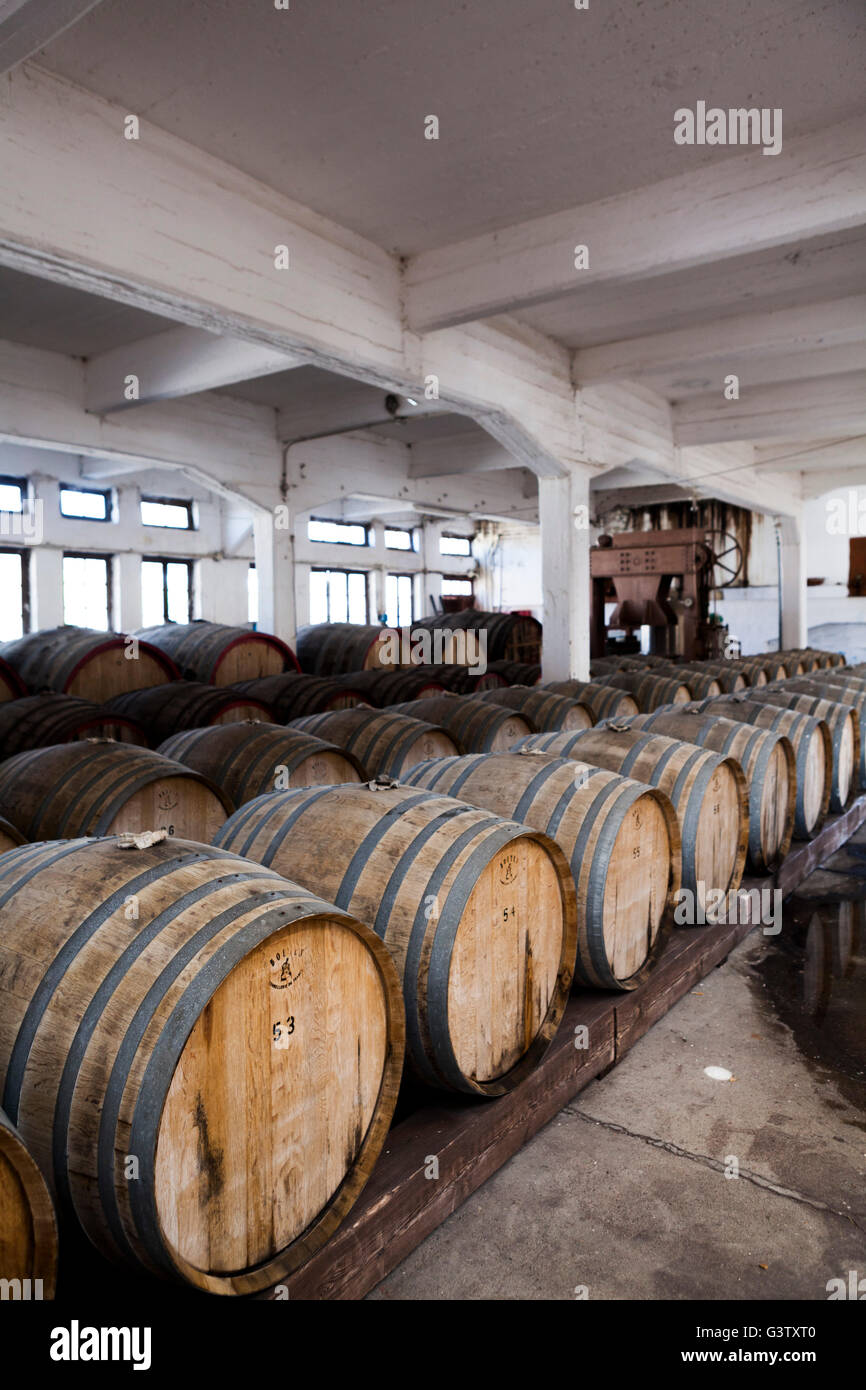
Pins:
x,y
463,680
650,692
498,636
10,835
12,686
605,701
216,654
28,1226
547,710
81,661
385,743
767,759
761,669
813,751
844,726
708,791
38,721
516,672
330,649
98,787
291,695
163,710
241,1041
247,760
384,688
479,914
827,687
701,683
729,678
621,838
477,726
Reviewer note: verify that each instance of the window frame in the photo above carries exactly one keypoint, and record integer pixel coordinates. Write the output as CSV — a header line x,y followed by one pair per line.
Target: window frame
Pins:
x,y
23,554
166,560
185,502
402,574
105,493
410,531
108,560
453,536
23,486
338,569
339,521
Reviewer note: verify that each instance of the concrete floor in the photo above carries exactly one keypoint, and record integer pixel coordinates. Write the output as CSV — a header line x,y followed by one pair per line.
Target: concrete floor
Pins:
x,y
624,1194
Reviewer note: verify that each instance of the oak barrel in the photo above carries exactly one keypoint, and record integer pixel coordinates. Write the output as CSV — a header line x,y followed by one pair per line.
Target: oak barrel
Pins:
x,y
81,661
708,791
844,726
292,695
28,1225
761,669
38,721
386,743
196,1023
476,725
546,710
730,680
12,686
497,636
463,680
217,654
701,683
247,760
813,751
621,838
479,914
605,701
650,691
330,649
163,710
516,672
384,688
10,835
98,787
828,686
767,759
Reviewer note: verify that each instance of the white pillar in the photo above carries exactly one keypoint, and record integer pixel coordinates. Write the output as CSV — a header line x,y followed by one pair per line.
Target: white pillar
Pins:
x,y
127,599
563,505
794,589
46,587
274,541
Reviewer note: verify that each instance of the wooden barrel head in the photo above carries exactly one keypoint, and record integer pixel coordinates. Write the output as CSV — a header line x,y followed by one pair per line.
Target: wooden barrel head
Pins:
x,y
301,1099
717,835
28,1226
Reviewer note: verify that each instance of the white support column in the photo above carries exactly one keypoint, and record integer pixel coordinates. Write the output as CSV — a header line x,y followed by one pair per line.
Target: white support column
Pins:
x,y
564,513
46,587
127,599
275,567
794,590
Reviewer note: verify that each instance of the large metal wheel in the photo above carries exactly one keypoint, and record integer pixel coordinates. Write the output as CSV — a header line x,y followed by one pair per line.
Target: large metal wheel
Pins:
x,y
726,558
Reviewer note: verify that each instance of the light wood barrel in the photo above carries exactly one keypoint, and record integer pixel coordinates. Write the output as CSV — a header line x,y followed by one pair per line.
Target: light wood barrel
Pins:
x,y
292,695
621,838
708,791
103,788
844,726
701,683
247,760
729,678
761,669
163,710
650,691
81,661
330,649
767,759
826,685
241,1041
385,743
477,726
10,835
28,1226
12,686
384,688
217,654
813,752
502,636
479,914
605,701
546,710
38,721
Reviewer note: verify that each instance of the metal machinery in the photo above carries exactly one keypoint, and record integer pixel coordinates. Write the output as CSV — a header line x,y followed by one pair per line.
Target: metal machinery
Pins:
x,y
664,580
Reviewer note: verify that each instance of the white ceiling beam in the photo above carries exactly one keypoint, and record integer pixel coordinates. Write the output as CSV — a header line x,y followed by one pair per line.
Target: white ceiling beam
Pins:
x,y
813,409
458,453
815,484
179,362
28,25
730,343
824,455
741,203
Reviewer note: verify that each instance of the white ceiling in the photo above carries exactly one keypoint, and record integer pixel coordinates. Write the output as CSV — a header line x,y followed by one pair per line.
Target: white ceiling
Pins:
x,y
43,314
541,106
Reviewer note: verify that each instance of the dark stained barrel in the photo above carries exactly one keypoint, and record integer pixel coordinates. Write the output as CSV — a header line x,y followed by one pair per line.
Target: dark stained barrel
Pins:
x,y
385,742
247,760
10,835
81,661
516,672
650,691
164,710
605,701
478,727
331,649
292,695
384,688
12,686
217,654
546,710
501,636
38,721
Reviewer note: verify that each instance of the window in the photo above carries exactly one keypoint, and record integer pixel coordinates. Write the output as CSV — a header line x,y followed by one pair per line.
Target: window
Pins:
x,y
337,532
400,540
87,503
398,600
167,511
455,588
12,494
14,585
166,592
87,590
455,545
252,595
338,596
